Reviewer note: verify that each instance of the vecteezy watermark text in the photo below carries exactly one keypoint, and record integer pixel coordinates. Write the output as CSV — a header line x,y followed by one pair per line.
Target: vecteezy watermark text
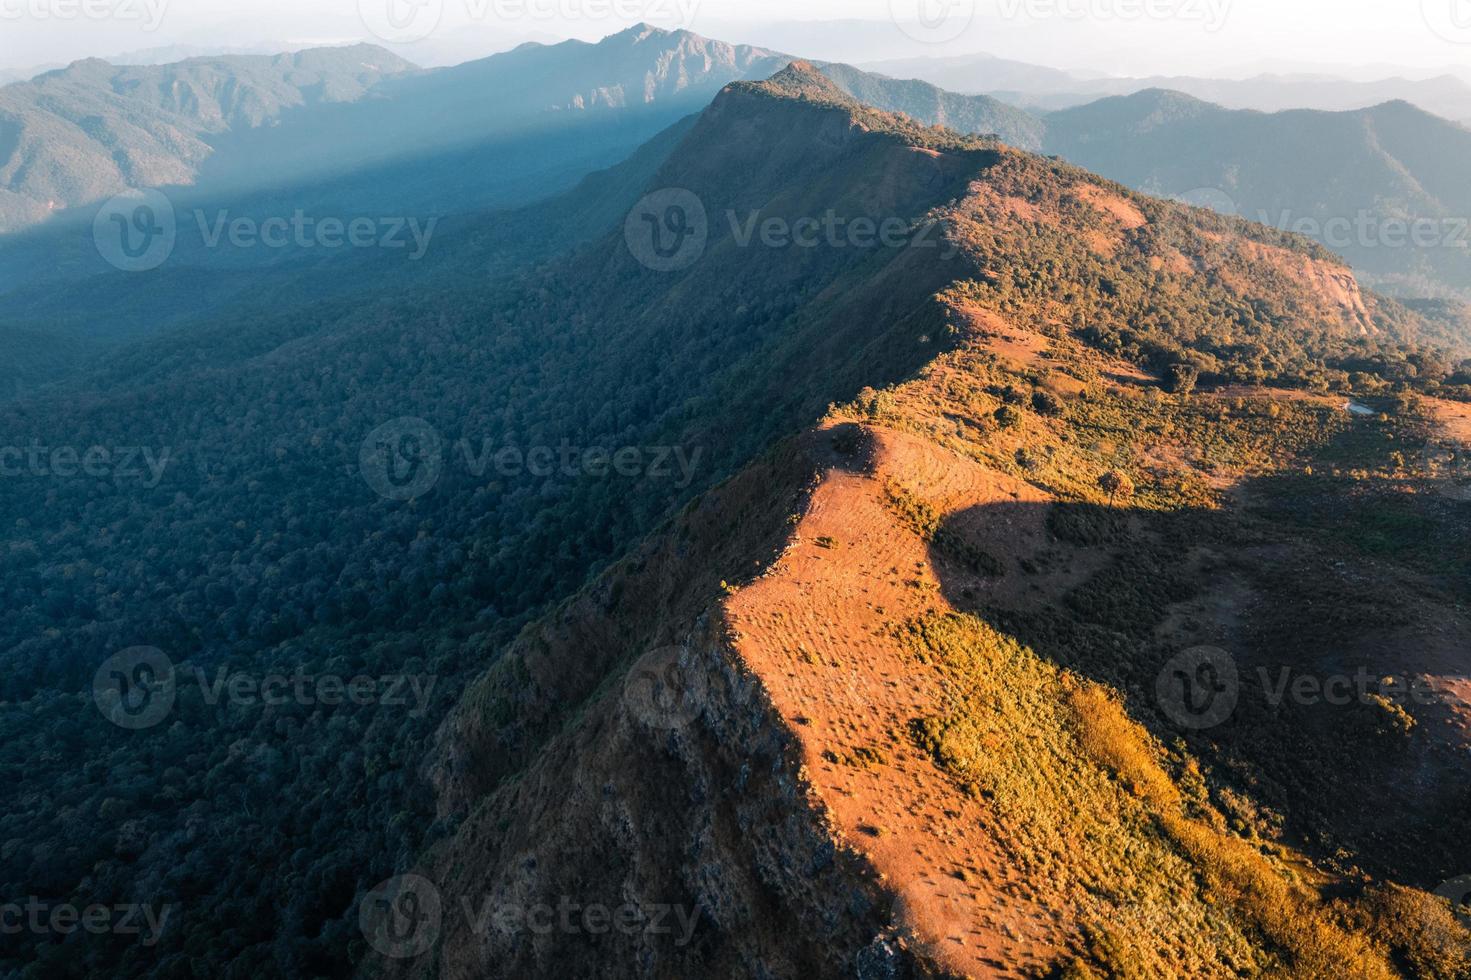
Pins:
x,y
406,21
36,917
141,465
304,231
1367,229
403,917
669,230
148,13
403,459
302,688
138,231
1200,688
137,688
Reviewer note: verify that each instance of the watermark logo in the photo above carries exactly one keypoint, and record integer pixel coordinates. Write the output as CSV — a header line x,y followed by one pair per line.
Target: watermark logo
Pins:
x,y
136,231
1212,198
662,691
404,917
1211,14
401,21
1199,687
1457,891
929,913
402,459
148,14
1449,19
401,918
123,465
305,231
933,21
405,459
39,918
668,230
135,688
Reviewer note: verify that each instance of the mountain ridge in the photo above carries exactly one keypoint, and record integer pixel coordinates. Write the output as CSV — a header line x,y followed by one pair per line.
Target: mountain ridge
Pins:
x,y
767,687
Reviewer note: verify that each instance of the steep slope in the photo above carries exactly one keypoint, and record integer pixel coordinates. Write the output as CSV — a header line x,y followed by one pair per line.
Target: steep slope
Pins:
x,y
936,107
512,113
1375,185
266,505
88,131
527,123
50,334
335,501
880,704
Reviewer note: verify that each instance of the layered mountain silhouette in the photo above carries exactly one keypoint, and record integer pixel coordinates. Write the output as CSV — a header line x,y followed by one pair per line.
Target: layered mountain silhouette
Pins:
x,y
243,123
1377,185
936,455
88,131
1041,88
357,130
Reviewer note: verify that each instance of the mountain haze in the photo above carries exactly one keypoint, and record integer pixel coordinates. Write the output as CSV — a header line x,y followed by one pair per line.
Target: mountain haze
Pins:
x,y
1040,88
1361,182
80,134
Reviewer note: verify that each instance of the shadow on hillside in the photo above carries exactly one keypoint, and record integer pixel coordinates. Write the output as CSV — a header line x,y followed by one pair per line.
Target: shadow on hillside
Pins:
x,y
1287,587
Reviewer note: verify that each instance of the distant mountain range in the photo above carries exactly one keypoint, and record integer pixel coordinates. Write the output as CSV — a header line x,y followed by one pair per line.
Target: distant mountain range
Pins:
x,y
358,130
890,601
936,107
240,124
1385,187
1041,88
353,121
82,133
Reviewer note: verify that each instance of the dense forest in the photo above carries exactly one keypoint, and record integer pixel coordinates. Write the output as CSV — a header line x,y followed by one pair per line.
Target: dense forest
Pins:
x,y
261,546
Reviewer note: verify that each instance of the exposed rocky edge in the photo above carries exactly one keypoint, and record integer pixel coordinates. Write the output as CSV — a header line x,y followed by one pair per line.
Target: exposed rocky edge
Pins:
x,y
662,780
786,790
647,601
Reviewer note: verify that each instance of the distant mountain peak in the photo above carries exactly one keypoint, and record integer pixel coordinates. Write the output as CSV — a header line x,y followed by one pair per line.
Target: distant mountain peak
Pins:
x,y
639,32
802,80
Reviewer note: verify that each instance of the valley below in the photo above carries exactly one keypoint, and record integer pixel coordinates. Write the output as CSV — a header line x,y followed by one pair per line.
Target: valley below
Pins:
x,y
670,578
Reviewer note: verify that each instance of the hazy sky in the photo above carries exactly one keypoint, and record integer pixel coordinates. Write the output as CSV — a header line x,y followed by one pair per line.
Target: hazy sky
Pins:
x,y
1117,36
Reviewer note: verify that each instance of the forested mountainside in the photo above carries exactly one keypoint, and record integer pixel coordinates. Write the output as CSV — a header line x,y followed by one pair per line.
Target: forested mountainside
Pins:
x,y
324,492
83,133
936,107
896,700
495,132
425,153
54,335
1379,186
260,546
